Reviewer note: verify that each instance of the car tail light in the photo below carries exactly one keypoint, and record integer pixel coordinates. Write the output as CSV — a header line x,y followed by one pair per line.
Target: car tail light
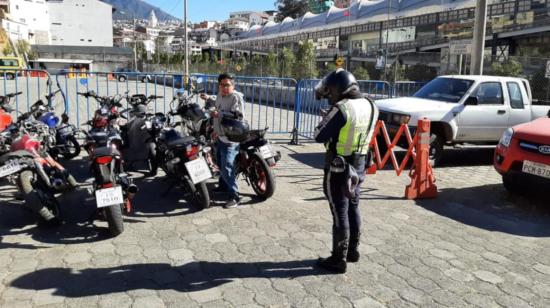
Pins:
x,y
107,185
103,160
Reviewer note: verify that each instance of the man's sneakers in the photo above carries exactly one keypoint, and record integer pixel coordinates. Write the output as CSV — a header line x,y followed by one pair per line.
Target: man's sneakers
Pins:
x,y
233,203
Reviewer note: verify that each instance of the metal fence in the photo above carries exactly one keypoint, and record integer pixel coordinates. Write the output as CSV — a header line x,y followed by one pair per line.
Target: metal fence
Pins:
x,y
308,109
269,101
406,88
282,104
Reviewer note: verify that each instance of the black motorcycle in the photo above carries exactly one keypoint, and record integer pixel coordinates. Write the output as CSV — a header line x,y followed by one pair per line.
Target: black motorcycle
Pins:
x,y
113,188
141,131
183,159
256,155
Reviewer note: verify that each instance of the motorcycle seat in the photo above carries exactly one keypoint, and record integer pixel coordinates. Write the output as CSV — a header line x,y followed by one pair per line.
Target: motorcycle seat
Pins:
x,y
106,151
99,136
180,142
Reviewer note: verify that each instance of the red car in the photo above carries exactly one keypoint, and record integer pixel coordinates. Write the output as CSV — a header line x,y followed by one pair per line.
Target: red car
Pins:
x,y
522,156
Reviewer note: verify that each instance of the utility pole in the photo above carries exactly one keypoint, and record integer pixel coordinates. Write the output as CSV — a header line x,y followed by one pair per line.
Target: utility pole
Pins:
x,y
478,45
387,39
186,52
135,44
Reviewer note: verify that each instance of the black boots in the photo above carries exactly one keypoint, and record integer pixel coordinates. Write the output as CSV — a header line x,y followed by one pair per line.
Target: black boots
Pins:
x,y
337,261
353,252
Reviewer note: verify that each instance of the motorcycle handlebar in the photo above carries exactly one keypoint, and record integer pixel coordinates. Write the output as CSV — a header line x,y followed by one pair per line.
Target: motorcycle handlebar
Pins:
x,y
14,94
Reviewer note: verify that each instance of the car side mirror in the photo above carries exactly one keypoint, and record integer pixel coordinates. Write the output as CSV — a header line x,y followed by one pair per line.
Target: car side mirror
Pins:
x,y
471,101
548,114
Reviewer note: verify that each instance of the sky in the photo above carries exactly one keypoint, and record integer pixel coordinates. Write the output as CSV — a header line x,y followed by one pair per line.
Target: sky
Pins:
x,y
199,10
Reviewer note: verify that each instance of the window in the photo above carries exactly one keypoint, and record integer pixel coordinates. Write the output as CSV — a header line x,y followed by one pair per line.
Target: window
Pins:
x,y
445,89
516,99
489,93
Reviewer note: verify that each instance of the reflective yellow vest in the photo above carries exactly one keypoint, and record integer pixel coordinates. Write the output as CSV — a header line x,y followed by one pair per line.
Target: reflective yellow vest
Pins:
x,y
357,132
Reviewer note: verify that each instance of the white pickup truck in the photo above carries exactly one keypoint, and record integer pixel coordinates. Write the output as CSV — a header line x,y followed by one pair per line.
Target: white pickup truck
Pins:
x,y
464,109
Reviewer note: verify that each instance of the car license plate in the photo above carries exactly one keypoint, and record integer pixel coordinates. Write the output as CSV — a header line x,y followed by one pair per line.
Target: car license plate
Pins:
x,y
109,196
198,170
267,151
534,168
9,169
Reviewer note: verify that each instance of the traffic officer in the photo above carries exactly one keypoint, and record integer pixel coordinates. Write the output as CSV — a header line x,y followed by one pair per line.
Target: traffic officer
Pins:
x,y
346,130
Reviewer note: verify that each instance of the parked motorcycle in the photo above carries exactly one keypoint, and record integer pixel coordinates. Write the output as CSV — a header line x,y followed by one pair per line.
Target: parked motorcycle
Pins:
x,y
256,155
112,187
37,175
62,136
183,159
141,131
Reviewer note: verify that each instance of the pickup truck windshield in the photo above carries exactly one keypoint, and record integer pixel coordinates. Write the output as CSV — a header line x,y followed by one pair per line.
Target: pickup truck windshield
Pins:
x,y
445,89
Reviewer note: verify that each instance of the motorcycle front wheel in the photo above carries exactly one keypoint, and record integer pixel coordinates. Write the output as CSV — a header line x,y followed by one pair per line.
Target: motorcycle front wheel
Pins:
x,y
72,148
113,215
43,203
261,177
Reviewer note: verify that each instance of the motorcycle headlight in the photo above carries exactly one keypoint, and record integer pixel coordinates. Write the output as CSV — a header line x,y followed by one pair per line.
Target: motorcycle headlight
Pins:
x,y
506,137
401,118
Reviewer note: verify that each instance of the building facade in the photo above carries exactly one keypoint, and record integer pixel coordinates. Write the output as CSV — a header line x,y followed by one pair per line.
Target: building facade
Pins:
x,y
35,14
81,23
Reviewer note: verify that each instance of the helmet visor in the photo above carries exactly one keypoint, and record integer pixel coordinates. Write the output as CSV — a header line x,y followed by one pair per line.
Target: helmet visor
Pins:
x,y
321,90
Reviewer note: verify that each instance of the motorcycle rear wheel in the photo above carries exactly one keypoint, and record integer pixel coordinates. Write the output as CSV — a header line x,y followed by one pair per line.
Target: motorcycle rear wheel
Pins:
x,y
261,177
115,221
199,194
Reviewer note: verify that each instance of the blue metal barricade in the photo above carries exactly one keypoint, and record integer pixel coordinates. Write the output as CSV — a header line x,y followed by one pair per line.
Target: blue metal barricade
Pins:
x,y
308,110
282,104
406,88
32,83
81,109
375,89
269,101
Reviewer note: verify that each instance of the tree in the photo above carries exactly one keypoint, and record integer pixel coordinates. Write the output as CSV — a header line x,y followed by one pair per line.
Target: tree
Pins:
x,y
305,66
270,65
291,8
287,62
510,68
420,72
361,73
8,50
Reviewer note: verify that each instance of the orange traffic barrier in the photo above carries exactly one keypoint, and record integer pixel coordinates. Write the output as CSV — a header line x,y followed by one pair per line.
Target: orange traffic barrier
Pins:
x,y
422,179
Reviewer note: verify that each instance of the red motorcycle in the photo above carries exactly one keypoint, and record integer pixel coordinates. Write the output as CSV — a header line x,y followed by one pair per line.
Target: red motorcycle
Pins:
x,y
36,174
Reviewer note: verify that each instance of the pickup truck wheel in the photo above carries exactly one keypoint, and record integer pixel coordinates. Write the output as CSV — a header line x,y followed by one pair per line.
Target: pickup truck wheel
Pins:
x,y
436,149
122,78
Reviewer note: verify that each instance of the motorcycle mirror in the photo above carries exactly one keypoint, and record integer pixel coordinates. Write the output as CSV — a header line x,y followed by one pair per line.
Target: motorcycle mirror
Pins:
x,y
180,92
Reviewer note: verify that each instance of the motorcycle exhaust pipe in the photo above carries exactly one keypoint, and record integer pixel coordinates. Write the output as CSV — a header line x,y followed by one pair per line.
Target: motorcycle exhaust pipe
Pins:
x,y
132,190
42,173
58,184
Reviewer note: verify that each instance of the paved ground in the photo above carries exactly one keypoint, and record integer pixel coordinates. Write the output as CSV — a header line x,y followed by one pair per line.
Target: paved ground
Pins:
x,y
475,245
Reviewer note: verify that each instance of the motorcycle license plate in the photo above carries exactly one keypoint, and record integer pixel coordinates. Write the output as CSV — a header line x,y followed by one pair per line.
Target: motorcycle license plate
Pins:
x,y
267,151
109,196
67,130
9,169
198,170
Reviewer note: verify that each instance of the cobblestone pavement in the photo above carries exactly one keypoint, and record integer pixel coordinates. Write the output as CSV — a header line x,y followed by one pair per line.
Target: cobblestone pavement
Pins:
x,y
473,246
